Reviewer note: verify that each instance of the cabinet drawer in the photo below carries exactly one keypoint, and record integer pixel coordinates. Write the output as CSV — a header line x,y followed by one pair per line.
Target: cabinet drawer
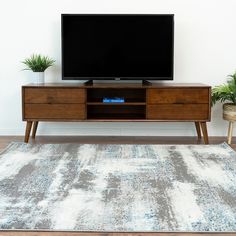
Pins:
x,y
178,112
178,95
54,111
54,95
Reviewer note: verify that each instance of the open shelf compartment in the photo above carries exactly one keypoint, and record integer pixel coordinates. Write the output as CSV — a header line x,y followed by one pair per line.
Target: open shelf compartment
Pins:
x,y
130,95
122,112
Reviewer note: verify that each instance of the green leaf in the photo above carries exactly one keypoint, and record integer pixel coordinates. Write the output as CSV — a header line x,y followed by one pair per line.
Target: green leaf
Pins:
x,y
38,63
225,92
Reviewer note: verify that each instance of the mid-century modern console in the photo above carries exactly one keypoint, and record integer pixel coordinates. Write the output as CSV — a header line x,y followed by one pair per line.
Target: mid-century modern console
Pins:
x,y
144,103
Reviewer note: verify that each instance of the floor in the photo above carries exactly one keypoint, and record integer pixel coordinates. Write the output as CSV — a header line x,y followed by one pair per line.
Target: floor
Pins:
x,y
5,140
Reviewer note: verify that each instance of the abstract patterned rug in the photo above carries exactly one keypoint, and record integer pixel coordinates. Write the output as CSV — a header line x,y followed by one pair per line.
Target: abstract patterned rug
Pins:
x,y
118,187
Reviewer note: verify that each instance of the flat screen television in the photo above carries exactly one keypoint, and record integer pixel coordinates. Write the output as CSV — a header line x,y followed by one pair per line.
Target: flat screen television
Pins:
x,y
117,46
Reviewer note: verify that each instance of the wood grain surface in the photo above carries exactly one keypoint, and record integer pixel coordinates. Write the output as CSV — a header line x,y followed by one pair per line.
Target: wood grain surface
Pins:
x,y
54,95
178,95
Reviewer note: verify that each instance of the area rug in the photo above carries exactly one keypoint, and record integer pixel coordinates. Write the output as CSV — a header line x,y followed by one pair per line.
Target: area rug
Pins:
x,y
118,187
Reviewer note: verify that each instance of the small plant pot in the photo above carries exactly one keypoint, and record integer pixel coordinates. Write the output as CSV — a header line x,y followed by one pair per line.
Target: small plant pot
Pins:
x,y
229,112
38,77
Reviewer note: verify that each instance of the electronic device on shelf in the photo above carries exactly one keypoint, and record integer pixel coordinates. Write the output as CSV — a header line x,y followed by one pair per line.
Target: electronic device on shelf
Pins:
x,y
117,46
113,100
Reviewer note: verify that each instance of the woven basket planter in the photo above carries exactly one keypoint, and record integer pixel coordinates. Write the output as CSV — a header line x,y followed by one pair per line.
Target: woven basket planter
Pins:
x,y
229,112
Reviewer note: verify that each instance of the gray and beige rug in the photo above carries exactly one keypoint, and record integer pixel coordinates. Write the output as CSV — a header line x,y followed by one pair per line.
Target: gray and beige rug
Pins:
x,y
118,187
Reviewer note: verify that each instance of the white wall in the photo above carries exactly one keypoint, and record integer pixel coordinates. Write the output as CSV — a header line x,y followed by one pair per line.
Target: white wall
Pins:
x,y
205,51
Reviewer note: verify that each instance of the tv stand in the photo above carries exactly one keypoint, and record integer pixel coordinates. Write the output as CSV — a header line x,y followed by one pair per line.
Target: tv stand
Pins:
x,y
146,82
88,82
83,103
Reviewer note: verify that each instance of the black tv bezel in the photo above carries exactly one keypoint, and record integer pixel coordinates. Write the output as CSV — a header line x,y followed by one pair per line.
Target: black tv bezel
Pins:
x,y
111,77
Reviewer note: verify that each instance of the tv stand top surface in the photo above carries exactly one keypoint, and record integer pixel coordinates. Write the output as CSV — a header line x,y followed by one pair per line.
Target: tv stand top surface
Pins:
x,y
120,85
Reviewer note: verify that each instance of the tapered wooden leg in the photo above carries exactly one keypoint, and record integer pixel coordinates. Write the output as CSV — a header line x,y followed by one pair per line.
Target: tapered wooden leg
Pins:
x,y
27,131
230,131
35,126
198,128
204,132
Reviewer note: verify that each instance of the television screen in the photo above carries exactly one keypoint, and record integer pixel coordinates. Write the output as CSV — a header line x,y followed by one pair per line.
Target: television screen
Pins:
x,y
117,46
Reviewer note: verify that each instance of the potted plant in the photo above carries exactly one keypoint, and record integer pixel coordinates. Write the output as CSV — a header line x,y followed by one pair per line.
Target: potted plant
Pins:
x,y
38,64
227,93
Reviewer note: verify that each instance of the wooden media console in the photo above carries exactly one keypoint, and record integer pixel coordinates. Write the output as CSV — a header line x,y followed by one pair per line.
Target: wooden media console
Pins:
x,y
144,103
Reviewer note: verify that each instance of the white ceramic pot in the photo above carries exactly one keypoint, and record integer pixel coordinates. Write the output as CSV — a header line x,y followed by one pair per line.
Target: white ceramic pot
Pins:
x,y
38,77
